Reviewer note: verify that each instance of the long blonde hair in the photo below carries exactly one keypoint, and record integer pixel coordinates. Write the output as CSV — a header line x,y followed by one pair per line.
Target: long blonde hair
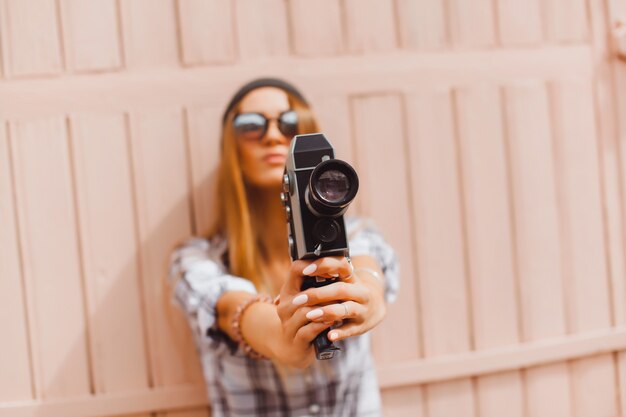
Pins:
x,y
234,220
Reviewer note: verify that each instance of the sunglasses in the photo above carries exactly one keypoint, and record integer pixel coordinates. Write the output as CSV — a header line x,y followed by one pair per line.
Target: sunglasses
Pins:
x,y
253,126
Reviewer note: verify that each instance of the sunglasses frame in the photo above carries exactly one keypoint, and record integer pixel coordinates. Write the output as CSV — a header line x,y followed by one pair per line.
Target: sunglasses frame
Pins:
x,y
267,123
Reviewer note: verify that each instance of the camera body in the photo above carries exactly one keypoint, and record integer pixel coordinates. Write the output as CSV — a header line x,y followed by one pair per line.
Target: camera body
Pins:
x,y
317,190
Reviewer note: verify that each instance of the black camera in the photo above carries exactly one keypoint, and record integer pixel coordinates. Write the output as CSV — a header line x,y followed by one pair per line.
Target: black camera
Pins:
x,y
317,190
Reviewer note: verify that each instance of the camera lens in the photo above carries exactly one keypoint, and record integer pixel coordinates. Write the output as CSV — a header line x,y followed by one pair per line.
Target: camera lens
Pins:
x,y
333,186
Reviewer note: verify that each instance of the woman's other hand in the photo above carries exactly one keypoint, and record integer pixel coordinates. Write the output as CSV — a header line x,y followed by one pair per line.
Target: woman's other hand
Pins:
x,y
294,345
357,299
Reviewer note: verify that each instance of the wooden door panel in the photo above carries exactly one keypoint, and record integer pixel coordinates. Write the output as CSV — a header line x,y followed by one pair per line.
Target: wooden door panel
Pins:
x,y
161,181
109,252
15,378
91,35
52,265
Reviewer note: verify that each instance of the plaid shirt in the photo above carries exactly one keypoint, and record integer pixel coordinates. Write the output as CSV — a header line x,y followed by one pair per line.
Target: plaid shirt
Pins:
x,y
239,386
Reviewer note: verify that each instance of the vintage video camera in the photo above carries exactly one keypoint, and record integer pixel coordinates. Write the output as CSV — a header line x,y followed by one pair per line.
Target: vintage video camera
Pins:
x,y
317,190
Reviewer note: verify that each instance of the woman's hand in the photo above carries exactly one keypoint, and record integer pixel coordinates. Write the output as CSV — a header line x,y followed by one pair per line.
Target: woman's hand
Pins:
x,y
294,345
357,299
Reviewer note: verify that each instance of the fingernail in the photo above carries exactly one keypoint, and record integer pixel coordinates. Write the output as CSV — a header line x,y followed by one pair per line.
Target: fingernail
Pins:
x,y
332,335
314,314
300,299
334,275
309,269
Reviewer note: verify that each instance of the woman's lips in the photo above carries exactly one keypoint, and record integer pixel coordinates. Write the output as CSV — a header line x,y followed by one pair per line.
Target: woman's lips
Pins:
x,y
275,158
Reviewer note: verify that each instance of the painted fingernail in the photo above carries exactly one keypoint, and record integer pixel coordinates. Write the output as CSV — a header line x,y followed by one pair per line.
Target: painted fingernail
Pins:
x,y
300,299
313,314
309,269
332,335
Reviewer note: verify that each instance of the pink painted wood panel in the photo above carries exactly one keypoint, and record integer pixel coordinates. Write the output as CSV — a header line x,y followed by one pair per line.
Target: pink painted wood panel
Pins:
x,y
615,11
262,29
608,142
486,200
587,283
149,33
109,252
30,37
204,127
566,20
15,378
581,212
316,27
441,273
472,24
520,22
370,25
537,244
437,221
52,265
162,186
207,31
403,402
422,24
380,147
91,35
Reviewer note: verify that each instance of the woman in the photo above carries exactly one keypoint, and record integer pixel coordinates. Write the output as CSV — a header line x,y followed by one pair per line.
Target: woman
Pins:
x,y
257,354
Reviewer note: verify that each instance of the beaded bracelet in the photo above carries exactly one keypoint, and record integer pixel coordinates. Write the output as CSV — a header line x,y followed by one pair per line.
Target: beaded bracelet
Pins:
x,y
236,325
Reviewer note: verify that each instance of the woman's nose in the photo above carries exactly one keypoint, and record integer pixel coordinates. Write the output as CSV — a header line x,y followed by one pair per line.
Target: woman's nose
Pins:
x,y
273,133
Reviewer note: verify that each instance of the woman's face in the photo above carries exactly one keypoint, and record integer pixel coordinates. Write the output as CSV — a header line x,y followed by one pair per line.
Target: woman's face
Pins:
x,y
263,160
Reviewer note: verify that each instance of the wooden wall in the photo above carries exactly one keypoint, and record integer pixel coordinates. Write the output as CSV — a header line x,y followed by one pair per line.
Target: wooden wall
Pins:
x,y
489,136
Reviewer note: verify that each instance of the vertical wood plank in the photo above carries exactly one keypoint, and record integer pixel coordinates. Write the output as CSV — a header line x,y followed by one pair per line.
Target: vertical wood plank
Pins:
x,y
520,22
207,32
262,29
472,24
566,20
440,254
205,149
584,246
537,244
150,33
15,378
316,27
370,25
403,402
438,228
609,151
91,34
160,171
610,111
381,163
109,251
48,235
484,173
30,37
422,24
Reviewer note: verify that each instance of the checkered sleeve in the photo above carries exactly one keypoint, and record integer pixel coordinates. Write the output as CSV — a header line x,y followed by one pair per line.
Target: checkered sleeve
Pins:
x,y
365,239
198,281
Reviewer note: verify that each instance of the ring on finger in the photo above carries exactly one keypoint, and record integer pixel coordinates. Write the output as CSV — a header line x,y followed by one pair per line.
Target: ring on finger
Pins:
x,y
345,306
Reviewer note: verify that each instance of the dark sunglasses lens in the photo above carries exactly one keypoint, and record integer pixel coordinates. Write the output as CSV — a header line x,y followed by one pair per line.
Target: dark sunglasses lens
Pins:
x,y
288,124
250,125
